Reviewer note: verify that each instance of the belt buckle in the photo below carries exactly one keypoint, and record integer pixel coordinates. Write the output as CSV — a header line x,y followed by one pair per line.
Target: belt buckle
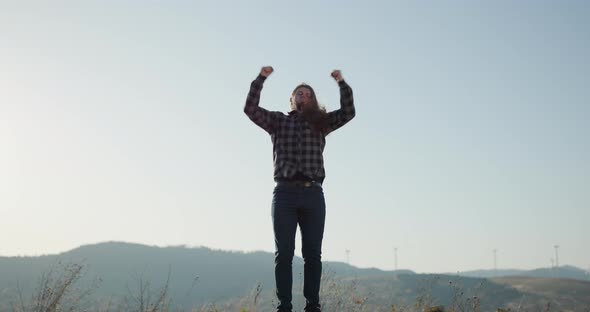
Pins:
x,y
307,183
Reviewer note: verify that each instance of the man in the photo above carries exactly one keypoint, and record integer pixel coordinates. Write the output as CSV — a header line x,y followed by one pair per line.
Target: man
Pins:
x,y
298,143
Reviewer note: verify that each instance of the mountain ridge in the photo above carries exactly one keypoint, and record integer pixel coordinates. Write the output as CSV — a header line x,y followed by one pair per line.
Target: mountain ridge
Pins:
x,y
199,275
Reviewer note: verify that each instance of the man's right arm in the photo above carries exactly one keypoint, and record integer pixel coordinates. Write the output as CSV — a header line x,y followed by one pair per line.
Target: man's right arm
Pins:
x,y
265,119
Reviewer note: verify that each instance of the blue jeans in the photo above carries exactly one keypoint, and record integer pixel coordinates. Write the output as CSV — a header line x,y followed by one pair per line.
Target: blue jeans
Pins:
x,y
292,205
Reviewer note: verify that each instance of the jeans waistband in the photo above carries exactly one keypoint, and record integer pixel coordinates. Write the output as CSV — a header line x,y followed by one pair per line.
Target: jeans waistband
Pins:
x,y
300,183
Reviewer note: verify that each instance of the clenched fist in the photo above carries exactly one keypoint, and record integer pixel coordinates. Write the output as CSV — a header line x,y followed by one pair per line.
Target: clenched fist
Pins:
x,y
337,75
266,71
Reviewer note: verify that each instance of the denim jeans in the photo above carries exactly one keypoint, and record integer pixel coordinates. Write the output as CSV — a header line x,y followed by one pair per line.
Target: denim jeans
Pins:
x,y
292,205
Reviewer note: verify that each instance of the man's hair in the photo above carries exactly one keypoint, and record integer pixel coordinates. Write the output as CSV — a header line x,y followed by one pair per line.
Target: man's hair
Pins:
x,y
316,115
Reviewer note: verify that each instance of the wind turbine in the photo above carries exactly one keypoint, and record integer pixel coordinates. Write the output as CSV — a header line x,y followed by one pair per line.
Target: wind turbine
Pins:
x,y
556,260
395,258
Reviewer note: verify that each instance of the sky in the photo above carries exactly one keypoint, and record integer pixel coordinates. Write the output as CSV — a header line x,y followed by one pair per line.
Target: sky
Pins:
x,y
123,121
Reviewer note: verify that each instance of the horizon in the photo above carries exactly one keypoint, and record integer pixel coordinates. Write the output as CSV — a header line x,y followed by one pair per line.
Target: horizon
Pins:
x,y
587,270
125,122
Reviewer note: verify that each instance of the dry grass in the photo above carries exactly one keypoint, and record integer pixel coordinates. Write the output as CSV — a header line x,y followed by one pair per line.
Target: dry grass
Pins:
x,y
56,292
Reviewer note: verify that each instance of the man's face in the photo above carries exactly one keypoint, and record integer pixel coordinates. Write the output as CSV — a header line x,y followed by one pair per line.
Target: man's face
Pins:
x,y
303,98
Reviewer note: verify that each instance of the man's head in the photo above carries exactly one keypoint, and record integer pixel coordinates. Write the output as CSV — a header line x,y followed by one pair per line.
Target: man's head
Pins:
x,y
303,98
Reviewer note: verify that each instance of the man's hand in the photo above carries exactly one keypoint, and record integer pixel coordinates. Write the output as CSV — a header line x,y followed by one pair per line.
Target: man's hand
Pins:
x,y
266,71
337,75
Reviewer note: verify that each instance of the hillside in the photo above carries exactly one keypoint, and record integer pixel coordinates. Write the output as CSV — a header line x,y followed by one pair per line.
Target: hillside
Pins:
x,y
564,294
116,272
565,271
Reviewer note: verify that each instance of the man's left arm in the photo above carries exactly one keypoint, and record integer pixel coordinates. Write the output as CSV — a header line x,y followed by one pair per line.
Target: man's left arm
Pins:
x,y
340,117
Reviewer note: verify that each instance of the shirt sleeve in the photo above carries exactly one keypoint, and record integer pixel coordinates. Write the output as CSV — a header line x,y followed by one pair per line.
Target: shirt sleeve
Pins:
x,y
263,118
340,117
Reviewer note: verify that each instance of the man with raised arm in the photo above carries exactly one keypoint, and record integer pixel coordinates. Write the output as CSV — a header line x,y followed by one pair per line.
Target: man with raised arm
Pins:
x,y
298,140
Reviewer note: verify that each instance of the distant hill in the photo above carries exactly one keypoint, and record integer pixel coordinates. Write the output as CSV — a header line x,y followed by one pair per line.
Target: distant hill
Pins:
x,y
197,275
560,272
203,275
565,294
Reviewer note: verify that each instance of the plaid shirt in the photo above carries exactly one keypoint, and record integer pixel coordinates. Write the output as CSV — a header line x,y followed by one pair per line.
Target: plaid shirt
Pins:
x,y
296,148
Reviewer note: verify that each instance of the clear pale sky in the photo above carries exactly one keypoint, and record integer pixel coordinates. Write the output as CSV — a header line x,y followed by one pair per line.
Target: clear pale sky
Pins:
x,y
123,120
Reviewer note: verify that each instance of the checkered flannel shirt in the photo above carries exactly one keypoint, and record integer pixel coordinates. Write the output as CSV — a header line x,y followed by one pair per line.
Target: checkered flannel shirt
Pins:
x,y
296,148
